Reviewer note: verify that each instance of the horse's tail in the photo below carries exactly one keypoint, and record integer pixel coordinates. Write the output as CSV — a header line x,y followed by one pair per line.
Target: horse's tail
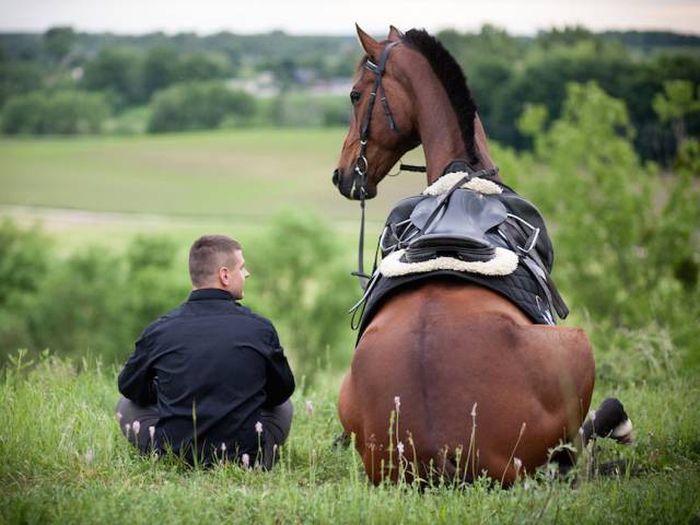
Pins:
x,y
611,421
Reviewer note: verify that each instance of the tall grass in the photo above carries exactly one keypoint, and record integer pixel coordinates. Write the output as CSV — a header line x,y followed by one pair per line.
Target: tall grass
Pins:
x,y
65,461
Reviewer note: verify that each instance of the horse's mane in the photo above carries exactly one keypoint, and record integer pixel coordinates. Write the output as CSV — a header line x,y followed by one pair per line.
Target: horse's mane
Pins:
x,y
452,78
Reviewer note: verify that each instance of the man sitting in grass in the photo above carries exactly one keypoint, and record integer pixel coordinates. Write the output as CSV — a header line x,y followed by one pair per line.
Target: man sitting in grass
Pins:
x,y
209,380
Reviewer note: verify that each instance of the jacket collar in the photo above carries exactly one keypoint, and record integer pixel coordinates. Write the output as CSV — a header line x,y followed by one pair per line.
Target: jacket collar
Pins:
x,y
207,294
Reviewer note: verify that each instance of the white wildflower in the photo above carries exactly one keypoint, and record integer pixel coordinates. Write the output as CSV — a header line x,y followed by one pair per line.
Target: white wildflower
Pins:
x,y
309,407
136,426
258,427
245,459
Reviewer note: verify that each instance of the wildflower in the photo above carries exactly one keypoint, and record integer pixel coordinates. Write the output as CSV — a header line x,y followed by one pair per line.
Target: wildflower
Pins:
x,y
399,448
89,456
258,427
309,407
119,417
152,432
245,459
127,427
397,402
473,413
223,448
518,464
136,426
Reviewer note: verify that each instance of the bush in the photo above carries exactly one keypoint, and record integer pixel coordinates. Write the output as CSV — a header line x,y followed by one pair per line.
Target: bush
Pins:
x,y
97,302
63,112
626,237
198,105
299,280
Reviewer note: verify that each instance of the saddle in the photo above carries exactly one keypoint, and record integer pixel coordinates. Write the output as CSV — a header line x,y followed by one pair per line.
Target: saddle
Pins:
x,y
467,226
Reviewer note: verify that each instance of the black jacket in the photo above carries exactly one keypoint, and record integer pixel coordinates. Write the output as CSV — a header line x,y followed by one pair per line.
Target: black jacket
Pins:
x,y
216,359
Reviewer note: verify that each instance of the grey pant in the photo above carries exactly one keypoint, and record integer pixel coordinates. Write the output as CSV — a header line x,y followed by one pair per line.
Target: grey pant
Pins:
x,y
276,421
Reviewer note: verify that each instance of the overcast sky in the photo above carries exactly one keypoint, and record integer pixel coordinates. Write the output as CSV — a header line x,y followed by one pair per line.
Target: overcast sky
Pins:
x,y
332,17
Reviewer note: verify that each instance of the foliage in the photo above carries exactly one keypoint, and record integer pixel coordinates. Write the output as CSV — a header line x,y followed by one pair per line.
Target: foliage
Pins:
x,y
198,105
116,71
61,112
18,78
97,302
58,42
299,282
626,236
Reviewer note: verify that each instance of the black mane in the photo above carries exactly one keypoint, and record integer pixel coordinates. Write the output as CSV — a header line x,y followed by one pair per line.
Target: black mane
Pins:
x,y
453,80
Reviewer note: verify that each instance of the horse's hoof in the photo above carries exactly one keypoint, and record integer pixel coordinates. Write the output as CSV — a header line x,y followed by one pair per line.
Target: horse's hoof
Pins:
x,y
342,440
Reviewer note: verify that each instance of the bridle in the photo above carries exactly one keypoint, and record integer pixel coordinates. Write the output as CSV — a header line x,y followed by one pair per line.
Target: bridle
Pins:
x,y
359,177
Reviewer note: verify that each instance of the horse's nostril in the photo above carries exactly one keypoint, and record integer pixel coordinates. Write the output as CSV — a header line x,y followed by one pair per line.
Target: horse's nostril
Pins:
x,y
336,177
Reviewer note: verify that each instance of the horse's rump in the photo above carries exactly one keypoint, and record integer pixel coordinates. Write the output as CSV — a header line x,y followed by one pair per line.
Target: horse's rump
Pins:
x,y
445,348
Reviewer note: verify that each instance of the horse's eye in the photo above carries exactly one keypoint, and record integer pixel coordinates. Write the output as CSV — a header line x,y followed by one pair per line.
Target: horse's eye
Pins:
x,y
355,96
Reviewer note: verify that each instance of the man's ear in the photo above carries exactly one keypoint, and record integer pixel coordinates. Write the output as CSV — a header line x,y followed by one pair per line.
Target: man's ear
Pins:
x,y
394,34
369,44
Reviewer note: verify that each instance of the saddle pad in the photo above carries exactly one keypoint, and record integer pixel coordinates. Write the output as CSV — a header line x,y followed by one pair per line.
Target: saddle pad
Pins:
x,y
519,287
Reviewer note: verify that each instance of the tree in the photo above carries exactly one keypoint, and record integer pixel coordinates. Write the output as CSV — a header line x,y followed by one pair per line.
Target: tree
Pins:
x,y
198,105
676,102
117,71
160,69
58,42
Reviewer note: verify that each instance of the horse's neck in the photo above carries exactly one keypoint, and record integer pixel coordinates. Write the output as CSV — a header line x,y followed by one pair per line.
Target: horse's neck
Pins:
x,y
439,131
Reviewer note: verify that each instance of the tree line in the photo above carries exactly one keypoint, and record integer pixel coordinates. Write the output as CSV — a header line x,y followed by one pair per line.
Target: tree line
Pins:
x,y
63,81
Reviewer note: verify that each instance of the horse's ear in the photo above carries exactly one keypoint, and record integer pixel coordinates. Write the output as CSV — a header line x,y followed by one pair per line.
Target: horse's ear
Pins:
x,y
394,34
369,44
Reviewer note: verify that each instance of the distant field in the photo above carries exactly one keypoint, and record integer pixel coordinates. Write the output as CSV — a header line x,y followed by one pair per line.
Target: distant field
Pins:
x,y
242,175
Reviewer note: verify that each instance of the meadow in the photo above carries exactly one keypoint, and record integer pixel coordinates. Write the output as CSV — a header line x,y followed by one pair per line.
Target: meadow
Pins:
x,y
64,459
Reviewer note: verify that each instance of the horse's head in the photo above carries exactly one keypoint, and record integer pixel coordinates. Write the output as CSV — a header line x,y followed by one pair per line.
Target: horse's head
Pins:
x,y
383,119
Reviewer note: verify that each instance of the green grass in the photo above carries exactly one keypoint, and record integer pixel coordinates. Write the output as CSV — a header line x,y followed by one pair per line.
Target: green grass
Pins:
x,y
53,417
239,174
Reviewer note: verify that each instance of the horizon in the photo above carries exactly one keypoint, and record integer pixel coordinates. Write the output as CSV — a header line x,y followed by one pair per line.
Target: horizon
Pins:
x,y
315,18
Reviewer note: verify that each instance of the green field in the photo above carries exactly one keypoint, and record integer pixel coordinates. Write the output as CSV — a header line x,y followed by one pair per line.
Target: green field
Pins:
x,y
105,190
64,461
243,175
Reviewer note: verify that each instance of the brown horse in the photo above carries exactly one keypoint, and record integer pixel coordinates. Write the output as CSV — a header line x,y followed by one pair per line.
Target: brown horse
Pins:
x,y
474,386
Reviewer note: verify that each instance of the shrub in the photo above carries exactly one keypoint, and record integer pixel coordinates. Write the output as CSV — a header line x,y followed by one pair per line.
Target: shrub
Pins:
x,y
300,282
63,112
626,236
198,105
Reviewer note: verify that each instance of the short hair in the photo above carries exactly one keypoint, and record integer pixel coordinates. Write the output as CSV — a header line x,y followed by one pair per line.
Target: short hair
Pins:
x,y
207,254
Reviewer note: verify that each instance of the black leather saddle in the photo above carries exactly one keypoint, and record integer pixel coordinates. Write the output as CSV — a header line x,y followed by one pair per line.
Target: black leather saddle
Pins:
x,y
468,225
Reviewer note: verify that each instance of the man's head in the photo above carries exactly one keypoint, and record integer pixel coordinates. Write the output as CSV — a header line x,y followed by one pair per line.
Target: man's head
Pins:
x,y
216,261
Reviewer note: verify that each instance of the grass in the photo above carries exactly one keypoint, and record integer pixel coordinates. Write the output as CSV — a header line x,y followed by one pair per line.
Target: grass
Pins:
x,y
247,175
64,461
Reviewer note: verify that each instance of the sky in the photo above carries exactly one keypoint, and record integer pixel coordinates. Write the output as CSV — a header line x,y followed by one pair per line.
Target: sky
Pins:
x,y
521,17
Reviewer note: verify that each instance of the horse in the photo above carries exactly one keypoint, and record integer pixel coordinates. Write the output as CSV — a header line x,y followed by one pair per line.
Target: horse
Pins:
x,y
449,380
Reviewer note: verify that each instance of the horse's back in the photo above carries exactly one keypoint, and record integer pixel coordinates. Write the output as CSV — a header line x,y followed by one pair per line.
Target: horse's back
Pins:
x,y
446,350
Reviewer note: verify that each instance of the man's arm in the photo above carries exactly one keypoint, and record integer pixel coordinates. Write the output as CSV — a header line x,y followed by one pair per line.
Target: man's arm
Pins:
x,y
280,381
136,379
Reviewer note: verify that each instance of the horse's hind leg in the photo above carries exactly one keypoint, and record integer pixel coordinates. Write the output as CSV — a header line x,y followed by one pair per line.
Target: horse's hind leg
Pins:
x,y
347,412
610,420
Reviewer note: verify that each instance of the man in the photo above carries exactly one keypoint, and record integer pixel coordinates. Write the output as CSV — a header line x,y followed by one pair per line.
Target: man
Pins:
x,y
210,376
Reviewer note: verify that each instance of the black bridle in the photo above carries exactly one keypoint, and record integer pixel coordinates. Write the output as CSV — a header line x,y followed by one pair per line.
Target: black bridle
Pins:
x,y
360,177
